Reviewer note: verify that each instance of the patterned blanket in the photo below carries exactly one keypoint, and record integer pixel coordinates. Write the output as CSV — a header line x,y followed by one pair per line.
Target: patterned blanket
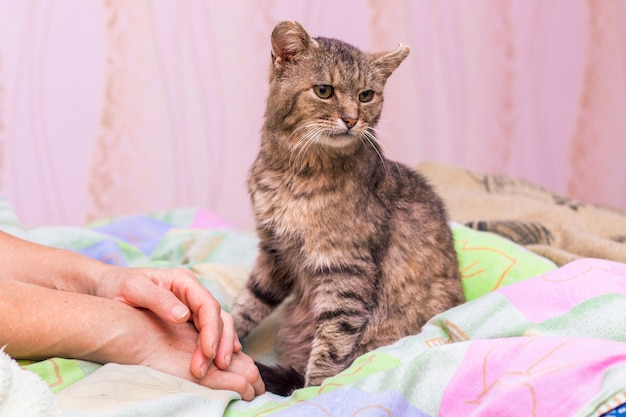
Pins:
x,y
534,339
552,225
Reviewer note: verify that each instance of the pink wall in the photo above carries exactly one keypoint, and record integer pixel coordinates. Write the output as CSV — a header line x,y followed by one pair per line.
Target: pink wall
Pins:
x,y
121,106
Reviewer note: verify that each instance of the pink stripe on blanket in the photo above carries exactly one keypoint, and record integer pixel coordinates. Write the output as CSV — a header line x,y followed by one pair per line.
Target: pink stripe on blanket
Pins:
x,y
205,219
526,376
557,292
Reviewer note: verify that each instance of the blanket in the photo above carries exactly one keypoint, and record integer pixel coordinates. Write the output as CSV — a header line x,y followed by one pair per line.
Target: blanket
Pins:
x,y
542,346
533,339
555,226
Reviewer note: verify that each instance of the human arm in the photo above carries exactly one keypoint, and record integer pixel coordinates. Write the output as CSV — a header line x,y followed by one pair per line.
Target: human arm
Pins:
x,y
39,322
175,295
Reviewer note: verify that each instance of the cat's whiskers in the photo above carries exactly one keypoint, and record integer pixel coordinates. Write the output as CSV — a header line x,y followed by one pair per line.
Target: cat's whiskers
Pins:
x,y
377,132
299,151
312,131
302,139
369,136
380,133
372,133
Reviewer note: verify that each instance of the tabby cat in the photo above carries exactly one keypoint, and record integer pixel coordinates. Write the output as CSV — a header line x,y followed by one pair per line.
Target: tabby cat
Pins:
x,y
356,246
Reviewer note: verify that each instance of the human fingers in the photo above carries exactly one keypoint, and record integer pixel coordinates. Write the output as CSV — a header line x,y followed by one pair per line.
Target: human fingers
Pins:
x,y
163,291
242,376
161,301
199,365
207,316
245,365
226,347
237,343
229,344
184,288
224,380
146,288
170,348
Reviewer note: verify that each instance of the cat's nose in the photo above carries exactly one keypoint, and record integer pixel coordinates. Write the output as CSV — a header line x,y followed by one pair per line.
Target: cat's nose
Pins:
x,y
349,121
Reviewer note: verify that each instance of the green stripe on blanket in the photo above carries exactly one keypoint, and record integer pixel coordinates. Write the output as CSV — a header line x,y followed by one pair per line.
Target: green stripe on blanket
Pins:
x,y
60,373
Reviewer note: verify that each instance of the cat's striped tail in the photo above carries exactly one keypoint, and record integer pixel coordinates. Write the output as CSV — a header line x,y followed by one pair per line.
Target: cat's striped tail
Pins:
x,y
279,379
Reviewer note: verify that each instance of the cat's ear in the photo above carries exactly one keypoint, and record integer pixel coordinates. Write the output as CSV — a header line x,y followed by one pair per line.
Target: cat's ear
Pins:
x,y
387,62
289,41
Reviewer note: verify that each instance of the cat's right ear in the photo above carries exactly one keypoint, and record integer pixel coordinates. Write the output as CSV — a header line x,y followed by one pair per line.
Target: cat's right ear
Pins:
x,y
289,42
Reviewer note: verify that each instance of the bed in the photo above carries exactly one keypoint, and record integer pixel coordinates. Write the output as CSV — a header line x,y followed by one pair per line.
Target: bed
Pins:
x,y
542,333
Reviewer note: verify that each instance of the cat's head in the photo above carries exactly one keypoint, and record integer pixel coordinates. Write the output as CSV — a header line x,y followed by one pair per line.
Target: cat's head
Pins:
x,y
325,92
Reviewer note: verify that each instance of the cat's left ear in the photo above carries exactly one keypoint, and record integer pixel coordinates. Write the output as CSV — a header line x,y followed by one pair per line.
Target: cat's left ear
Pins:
x,y
387,62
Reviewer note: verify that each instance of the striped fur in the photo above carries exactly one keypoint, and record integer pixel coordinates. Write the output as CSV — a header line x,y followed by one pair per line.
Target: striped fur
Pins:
x,y
356,246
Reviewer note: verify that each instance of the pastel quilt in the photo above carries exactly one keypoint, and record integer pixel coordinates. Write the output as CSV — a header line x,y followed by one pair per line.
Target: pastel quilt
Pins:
x,y
533,339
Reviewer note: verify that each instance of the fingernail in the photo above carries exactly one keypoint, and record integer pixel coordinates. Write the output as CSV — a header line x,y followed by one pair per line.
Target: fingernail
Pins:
x,y
227,359
204,369
179,312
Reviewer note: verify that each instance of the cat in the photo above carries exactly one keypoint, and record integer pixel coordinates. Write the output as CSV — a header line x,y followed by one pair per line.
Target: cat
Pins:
x,y
357,247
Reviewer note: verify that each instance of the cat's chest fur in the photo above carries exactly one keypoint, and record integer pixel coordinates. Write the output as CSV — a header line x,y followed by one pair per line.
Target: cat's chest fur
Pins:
x,y
315,213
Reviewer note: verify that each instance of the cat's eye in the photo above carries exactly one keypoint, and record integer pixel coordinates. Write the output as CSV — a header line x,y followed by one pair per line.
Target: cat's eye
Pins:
x,y
323,91
366,96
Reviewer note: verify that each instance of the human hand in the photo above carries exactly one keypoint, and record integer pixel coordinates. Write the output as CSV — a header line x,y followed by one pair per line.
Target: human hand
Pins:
x,y
169,347
176,296
102,330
